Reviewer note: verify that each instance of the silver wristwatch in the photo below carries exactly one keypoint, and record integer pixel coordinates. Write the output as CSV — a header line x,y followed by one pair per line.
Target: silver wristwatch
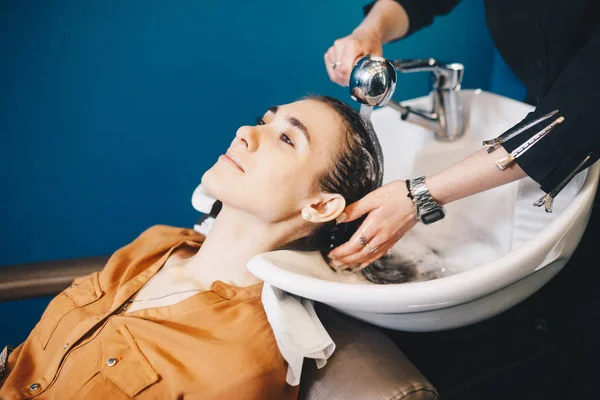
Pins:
x,y
428,211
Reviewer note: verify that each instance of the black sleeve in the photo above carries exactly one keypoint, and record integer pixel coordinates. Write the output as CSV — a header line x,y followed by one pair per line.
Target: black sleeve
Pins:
x,y
421,12
576,95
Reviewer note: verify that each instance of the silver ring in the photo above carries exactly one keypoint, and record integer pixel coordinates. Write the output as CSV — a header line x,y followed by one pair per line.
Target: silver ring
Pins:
x,y
334,65
371,249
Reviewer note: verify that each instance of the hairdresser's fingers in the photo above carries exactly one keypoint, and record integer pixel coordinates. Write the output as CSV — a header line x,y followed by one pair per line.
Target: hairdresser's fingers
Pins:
x,y
350,52
367,204
342,47
328,66
355,260
390,216
383,250
389,202
364,234
386,235
331,63
350,48
364,242
391,236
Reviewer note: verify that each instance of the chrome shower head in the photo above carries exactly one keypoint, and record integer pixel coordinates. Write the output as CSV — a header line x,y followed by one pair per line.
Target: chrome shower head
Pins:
x,y
372,81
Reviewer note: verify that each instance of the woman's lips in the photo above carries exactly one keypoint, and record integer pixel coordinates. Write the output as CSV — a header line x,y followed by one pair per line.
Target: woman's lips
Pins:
x,y
230,158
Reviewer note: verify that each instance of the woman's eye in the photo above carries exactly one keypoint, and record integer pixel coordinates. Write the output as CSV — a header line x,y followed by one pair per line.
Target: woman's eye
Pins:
x,y
282,136
285,138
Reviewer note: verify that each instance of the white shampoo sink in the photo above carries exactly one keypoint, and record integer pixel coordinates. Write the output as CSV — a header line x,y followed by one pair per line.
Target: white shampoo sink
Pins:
x,y
527,246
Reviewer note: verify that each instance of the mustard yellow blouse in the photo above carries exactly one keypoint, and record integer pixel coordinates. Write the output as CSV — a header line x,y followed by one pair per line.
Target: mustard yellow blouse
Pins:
x,y
216,344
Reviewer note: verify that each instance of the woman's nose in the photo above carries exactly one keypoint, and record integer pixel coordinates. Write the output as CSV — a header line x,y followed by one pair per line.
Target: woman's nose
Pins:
x,y
249,136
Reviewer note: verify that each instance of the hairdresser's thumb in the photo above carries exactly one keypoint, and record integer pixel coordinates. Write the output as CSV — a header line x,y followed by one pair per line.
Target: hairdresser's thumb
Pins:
x,y
357,209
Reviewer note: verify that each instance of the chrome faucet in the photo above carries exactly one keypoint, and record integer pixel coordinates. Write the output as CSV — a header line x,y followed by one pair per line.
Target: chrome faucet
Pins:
x,y
373,81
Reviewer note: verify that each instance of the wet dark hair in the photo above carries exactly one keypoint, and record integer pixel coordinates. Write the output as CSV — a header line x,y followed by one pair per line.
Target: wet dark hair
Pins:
x,y
357,170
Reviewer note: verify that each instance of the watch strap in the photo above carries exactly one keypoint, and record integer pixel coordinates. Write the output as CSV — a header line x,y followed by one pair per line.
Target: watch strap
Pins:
x,y
421,196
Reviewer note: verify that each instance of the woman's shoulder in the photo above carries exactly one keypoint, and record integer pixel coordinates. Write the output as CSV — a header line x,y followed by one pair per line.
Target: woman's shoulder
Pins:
x,y
162,238
146,249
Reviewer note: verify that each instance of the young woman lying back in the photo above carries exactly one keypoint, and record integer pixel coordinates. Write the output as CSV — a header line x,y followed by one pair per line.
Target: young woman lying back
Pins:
x,y
176,315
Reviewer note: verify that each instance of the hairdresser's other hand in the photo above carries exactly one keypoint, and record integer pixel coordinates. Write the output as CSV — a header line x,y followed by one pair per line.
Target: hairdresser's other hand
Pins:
x,y
391,215
347,50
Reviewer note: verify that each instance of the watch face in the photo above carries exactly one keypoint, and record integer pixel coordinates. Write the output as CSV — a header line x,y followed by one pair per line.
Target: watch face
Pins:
x,y
432,216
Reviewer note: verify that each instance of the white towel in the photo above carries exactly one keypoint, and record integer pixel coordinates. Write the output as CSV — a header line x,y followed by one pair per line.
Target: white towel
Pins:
x,y
297,329
296,326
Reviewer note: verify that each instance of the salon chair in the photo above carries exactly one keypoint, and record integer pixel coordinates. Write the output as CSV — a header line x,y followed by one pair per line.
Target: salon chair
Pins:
x,y
366,364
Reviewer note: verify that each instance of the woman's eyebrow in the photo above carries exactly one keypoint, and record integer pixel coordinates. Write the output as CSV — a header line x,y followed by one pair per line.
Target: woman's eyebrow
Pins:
x,y
294,122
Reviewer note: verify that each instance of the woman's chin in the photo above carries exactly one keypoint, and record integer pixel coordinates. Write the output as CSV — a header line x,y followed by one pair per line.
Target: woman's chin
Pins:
x,y
214,183
235,192
222,185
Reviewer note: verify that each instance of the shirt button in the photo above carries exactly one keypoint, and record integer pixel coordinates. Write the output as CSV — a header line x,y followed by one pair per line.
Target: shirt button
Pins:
x,y
34,386
111,362
539,63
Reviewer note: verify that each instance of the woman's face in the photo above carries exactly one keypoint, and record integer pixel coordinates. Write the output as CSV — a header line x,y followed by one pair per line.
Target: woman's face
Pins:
x,y
272,169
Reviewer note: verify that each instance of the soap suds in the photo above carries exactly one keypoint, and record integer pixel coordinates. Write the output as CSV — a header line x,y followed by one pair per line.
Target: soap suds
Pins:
x,y
428,252
444,248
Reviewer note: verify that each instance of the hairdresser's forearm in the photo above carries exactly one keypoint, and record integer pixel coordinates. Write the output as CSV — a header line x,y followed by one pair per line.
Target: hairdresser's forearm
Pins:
x,y
387,21
472,175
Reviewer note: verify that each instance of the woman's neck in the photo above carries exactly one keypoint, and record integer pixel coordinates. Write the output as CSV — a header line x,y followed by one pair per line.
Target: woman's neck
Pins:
x,y
234,239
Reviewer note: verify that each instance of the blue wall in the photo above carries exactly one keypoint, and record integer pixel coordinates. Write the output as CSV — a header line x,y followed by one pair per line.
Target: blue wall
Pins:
x,y
110,111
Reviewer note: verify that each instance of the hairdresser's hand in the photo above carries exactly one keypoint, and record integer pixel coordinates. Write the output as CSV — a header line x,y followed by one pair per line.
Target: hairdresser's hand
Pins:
x,y
391,215
347,50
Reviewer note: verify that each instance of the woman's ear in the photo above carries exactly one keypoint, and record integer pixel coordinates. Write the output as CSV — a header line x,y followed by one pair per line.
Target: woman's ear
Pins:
x,y
327,208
